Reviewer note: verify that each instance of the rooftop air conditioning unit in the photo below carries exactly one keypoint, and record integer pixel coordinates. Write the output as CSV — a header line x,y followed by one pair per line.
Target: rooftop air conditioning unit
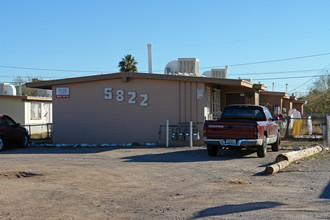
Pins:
x,y
188,65
219,73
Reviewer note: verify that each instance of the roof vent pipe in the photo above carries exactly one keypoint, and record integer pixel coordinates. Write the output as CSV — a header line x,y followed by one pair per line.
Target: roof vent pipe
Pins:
x,y
273,86
286,88
149,58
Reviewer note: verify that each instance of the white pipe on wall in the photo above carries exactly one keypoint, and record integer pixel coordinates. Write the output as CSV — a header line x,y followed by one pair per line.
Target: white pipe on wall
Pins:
x,y
191,134
149,58
167,132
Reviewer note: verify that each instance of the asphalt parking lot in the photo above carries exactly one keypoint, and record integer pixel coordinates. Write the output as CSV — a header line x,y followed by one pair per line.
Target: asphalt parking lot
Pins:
x,y
158,183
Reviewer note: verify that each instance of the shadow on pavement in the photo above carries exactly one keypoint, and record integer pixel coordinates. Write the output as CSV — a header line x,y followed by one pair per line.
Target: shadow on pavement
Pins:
x,y
326,192
186,156
54,150
231,209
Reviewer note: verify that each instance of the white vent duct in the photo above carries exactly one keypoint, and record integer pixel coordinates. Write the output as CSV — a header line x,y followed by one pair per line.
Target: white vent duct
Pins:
x,y
7,89
171,68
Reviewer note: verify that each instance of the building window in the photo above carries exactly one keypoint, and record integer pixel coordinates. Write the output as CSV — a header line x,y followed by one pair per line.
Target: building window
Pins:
x,y
35,110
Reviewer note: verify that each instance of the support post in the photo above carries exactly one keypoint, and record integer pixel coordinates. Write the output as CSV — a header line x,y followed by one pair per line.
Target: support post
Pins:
x,y
48,136
328,131
191,134
167,132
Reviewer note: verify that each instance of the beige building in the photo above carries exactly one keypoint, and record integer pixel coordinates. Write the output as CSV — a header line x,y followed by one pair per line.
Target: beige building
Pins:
x,y
28,110
280,102
131,107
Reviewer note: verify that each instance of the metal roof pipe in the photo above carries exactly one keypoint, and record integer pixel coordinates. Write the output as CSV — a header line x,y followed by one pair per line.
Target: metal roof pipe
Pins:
x,y
149,58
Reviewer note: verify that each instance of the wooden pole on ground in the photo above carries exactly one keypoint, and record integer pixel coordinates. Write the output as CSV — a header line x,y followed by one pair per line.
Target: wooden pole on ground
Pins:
x,y
277,167
284,160
297,155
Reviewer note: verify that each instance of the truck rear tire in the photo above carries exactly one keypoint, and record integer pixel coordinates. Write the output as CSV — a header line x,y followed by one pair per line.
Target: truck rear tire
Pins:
x,y
276,145
212,150
262,150
1,144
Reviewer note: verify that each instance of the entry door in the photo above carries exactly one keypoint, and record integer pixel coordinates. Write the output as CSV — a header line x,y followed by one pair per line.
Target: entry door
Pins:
x,y
216,104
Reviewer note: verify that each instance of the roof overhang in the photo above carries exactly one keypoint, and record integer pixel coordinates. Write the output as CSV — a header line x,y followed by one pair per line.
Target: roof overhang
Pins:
x,y
272,93
27,98
126,76
303,102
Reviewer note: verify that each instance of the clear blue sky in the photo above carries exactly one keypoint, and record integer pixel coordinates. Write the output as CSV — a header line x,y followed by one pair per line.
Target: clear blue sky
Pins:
x,y
94,35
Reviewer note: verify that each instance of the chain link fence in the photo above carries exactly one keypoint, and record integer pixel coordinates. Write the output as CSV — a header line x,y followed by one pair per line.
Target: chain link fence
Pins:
x,y
303,128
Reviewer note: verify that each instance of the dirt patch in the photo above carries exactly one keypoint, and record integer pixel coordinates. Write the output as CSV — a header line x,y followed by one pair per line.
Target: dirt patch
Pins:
x,y
159,183
17,174
237,181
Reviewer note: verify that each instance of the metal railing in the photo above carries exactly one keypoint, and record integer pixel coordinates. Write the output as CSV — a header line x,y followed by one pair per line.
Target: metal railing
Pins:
x,y
39,130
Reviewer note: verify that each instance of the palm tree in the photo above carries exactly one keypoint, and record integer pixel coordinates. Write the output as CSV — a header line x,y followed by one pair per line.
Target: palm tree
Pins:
x,y
128,64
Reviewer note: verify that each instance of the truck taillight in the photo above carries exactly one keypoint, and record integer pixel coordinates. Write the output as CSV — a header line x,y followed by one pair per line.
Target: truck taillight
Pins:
x,y
204,130
256,131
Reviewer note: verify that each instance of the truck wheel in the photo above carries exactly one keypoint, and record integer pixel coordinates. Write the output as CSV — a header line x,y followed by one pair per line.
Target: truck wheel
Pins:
x,y
262,150
212,150
25,141
276,145
1,144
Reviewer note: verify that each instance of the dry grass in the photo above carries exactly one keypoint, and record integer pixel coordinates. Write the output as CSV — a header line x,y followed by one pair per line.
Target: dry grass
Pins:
x,y
237,181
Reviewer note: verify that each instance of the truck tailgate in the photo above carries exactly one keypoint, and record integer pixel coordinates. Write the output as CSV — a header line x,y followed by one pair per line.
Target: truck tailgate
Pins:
x,y
233,130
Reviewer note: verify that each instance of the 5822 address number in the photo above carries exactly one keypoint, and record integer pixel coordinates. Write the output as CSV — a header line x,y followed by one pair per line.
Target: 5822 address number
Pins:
x,y
121,96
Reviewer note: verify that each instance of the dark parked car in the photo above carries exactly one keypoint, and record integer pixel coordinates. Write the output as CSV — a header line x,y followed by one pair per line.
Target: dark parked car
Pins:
x,y
12,133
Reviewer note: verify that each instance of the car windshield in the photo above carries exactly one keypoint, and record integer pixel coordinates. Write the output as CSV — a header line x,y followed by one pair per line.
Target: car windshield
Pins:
x,y
238,112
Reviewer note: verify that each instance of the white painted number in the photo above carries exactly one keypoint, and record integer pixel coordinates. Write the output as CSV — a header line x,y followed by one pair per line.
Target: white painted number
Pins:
x,y
120,95
144,102
108,93
132,98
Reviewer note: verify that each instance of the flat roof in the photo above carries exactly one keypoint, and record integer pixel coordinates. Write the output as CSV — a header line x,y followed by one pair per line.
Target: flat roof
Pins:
x,y
304,102
272,93
126,75
27,98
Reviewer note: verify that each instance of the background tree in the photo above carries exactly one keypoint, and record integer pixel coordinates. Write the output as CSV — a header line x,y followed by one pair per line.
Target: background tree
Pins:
x,y
128,64
318,98
25,90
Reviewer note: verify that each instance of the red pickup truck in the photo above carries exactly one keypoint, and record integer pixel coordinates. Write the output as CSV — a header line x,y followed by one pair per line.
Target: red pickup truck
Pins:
x,y
242,126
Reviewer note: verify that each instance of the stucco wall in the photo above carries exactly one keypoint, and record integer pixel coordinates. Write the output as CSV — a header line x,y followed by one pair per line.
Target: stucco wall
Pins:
x,y
287,104
87,117
270,101
14,108
298,107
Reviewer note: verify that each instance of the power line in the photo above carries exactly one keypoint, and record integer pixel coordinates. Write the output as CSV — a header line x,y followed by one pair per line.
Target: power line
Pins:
x,y
269,61
289,71
324,69
55,70
290,77
102,71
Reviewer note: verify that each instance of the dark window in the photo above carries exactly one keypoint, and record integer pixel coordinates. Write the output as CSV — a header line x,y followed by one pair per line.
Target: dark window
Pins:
x,y
255,114
268,114
10,122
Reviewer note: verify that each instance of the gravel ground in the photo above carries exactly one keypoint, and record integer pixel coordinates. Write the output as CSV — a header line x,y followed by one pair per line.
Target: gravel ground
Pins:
x,y
159,183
